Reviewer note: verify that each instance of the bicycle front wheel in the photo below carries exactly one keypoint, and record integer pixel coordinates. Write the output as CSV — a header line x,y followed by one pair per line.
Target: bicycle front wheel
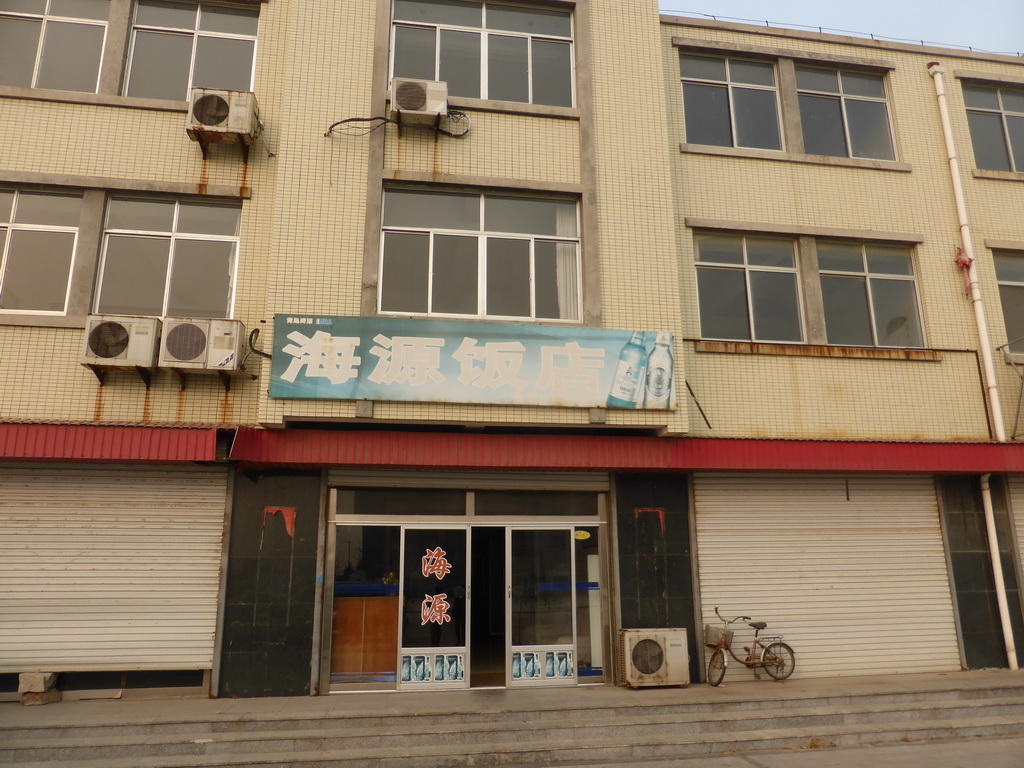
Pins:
x,y
779,660
716,667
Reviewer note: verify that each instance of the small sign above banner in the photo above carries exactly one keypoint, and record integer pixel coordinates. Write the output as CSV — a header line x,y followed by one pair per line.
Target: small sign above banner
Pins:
x,y
398,359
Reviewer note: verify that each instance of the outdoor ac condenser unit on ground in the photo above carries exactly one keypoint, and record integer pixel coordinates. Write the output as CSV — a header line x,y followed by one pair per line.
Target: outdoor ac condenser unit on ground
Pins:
x,y
202,345
653,657
113,341
418,102
217,116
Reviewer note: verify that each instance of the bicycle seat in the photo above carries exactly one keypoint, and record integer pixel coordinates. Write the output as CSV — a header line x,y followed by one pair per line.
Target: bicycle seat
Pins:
x,y
758,625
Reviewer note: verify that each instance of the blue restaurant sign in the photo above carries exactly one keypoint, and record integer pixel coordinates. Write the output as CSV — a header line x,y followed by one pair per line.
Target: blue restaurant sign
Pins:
x,y
398,359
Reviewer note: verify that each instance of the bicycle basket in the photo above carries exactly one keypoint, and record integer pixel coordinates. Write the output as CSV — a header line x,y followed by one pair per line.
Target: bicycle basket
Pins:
x,y
713,635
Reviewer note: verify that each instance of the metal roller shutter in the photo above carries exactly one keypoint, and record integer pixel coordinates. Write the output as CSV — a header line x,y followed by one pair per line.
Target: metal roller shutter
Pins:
x,y
109,568
851,571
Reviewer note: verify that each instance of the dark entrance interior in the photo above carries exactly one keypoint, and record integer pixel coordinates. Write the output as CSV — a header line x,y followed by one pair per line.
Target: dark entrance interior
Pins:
x,y
967,540
487,616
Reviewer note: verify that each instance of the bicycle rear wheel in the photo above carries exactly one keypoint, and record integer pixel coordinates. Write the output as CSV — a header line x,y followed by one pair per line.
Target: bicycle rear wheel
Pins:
x,y
779,660
716,667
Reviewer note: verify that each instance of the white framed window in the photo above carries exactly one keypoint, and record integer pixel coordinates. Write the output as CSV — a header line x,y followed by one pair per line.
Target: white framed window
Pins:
x,y
730,102
485,50
168,258
176,46
844,113
467,254
996,120
1010,275
747,288
53,43
869,294
38,237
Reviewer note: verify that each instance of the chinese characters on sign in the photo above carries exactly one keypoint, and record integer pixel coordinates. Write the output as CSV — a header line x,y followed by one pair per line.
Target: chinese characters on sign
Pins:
x,y
435,607
492,363
435,564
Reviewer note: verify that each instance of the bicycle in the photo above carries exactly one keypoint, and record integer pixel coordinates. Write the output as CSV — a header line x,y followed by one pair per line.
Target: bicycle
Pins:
x,y
770,654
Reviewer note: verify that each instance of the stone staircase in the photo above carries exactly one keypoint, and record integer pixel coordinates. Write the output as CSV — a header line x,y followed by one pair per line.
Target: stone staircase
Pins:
x,y
568,727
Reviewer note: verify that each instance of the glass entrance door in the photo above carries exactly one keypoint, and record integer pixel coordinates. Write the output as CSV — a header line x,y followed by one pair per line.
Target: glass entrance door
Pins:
x,y
435,600
541,615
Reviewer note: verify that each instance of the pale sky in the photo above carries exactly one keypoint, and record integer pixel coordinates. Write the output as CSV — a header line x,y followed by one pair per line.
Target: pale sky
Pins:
x,y
989,25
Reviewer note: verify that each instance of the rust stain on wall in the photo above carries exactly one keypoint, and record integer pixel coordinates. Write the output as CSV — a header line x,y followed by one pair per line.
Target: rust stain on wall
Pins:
x,y
204,177
97,411
226,408
147,405
812,350
181,405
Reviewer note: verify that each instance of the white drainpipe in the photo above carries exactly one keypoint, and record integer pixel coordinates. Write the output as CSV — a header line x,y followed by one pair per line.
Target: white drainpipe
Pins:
x,y
997,572
936,71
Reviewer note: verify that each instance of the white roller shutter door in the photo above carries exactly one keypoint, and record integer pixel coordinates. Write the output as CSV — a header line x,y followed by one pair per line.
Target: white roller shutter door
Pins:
x,y
109,568
852,571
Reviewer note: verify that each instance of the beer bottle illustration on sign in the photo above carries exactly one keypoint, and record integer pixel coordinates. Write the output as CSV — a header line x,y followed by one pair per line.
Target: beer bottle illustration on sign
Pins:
x,y
627,383
658,389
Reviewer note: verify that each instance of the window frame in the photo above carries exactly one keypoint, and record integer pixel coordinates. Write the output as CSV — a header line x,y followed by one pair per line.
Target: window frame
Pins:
x,y
195,33
730,85
1002,112
485,33
747,268
482,235
843,98
1016,354
173,237
785,61
12,226
809,291
868,276
45,18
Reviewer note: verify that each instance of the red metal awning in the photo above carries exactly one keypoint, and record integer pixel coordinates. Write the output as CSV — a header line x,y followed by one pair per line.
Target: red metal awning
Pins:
x,y
459,451
105,443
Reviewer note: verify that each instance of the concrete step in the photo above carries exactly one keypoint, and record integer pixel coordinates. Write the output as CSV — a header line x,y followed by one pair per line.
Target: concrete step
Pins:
x,y
201,722
655,745
108,742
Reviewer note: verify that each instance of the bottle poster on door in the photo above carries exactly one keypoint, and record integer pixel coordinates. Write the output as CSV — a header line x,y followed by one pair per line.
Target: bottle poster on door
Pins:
x,y
398,359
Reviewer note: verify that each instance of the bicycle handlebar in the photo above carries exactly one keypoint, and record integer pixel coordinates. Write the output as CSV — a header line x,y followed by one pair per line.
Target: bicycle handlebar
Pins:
x,y
733,620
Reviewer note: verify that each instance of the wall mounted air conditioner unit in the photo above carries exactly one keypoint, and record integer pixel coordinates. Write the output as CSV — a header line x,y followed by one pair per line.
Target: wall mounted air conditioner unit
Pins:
x,y
217,116
120,342
418,102
202,345
653,657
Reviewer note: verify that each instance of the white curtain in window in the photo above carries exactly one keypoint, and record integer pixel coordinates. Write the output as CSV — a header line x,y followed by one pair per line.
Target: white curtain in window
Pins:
x,y
568,280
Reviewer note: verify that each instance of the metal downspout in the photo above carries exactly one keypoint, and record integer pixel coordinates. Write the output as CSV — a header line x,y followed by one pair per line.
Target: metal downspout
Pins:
x,y
936,71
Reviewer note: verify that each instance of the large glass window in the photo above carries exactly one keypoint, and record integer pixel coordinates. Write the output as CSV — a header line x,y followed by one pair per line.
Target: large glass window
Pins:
x,y
1010,274
52,43
869,294
486,50
996,120
747,288
168,258
730,102
38,233
465,254
176,46
844,114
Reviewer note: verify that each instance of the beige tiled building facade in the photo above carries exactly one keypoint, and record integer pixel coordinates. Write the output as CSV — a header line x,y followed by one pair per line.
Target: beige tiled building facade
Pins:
x,y
430,344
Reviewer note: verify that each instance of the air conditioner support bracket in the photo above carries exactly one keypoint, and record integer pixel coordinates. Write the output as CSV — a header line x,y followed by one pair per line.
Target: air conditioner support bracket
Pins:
x,y
225,379
202,144
101,374
145,375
